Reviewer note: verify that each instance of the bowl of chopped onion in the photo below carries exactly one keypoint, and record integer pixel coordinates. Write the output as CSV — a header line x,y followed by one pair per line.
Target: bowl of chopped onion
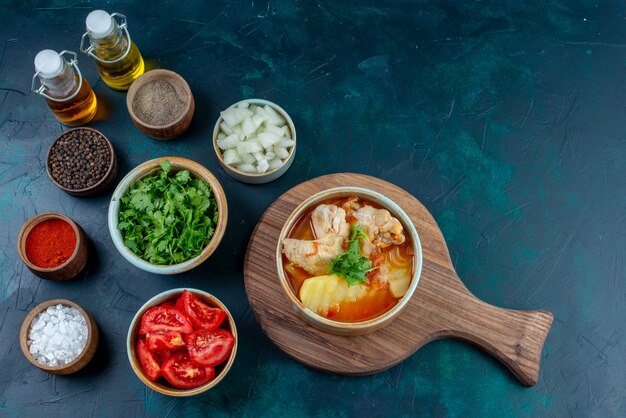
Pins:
x,y
255,141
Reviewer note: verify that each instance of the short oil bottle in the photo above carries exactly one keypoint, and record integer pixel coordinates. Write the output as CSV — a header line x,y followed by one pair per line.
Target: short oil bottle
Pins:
x,y
116,55
68,94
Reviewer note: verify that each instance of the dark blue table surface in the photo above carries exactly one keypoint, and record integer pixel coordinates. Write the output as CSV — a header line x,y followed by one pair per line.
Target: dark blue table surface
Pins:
x,y
507,119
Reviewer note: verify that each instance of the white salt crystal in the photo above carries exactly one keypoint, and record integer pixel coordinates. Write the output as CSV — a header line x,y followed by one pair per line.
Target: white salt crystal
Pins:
x,y
58,335
37,326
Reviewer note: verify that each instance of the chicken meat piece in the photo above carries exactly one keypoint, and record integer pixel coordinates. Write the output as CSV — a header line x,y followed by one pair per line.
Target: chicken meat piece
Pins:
x,y
331,229
329,220
380,227
313,256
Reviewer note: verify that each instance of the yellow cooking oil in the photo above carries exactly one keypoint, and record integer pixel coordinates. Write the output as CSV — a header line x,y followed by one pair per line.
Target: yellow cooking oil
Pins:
x,y
121,74
116,56
67,93
78,110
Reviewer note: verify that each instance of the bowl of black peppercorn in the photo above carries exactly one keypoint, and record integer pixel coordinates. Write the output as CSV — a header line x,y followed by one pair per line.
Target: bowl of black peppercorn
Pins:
x,y
82,162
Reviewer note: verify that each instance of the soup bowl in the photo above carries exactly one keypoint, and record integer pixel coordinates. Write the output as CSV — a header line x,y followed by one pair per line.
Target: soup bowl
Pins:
x,y
341,327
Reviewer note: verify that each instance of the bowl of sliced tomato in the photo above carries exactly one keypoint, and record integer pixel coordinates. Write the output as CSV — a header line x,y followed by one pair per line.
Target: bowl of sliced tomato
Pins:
x,y
182,342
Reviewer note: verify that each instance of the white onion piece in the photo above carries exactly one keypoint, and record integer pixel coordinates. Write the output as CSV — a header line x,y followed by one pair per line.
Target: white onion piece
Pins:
x,y
276,163
231,141
281,153
248,168
258,121
247,126
274,129
286,143
262,166
234,115
231,156
286,132
248,158
249,147
273,116
268,139
226,129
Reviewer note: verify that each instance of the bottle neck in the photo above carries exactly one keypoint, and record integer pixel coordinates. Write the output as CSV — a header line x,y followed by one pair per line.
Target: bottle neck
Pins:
x,y
112,46
62,85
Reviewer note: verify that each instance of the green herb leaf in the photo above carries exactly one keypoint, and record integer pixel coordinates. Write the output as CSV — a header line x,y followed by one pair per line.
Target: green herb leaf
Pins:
x,y
351,265
167,219
357,232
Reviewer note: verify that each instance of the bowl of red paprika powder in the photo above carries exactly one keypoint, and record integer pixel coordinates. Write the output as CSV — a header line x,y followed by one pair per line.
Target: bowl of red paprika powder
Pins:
x,y
53,246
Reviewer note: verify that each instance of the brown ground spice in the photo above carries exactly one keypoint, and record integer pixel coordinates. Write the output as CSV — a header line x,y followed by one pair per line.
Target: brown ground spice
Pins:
x,y
158,103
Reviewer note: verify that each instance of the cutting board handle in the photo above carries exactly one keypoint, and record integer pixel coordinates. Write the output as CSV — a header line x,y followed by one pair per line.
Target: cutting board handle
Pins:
x,y
515,337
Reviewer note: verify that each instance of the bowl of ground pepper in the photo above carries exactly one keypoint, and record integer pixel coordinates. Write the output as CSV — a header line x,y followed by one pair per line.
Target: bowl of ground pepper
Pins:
x,y
53,246
82,162
160,104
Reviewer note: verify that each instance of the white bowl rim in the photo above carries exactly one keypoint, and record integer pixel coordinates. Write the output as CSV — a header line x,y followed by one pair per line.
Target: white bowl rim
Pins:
x,y
116,235
292,128
406,221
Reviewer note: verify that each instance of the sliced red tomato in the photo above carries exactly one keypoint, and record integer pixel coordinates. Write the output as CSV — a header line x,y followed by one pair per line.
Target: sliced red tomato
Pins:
x,y
164,355
179,304
150,363
201,315
162,319
166,341
183,373
210,348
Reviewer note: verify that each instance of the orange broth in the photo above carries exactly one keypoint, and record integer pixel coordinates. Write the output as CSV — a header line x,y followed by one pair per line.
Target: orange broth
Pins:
x,y
375,302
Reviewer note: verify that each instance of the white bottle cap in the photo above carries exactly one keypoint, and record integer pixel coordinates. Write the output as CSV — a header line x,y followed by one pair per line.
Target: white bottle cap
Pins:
x,y
48,63
99,24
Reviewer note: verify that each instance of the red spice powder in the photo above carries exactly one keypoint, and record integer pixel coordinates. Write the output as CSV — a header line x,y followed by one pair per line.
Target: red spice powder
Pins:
x,y
50,243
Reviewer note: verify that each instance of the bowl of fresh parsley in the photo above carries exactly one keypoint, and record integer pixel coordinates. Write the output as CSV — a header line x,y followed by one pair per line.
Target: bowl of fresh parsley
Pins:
x,y
168,215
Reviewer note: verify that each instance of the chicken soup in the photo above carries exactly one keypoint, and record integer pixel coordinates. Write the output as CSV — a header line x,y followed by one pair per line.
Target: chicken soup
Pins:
x,y
348,259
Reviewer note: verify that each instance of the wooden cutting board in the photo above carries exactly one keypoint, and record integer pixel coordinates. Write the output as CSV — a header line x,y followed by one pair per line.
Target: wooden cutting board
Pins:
x,y
441,307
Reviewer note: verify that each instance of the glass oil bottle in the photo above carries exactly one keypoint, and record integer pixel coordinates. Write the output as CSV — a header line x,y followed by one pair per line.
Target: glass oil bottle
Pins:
x,y
116,55
69,96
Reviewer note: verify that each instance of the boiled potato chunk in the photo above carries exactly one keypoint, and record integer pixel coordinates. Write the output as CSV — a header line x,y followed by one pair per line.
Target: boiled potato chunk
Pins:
x,y
322,292
399,281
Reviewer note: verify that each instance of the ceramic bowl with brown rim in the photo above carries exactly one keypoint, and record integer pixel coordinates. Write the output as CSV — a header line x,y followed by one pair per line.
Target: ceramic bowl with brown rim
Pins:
x,y
270,175
82,359
102,184
72,267
149,168
339,327
161,385
160,104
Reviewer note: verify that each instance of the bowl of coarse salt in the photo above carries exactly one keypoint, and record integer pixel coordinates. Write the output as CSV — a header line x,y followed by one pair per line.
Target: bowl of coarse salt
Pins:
x,y
59,337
